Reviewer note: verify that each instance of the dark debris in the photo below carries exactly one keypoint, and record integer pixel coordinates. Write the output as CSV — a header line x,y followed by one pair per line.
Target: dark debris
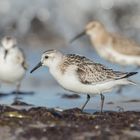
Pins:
x,y
72,124
70,96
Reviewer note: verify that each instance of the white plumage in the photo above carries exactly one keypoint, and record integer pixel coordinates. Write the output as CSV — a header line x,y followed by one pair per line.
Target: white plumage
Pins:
x,y
81,75
12,62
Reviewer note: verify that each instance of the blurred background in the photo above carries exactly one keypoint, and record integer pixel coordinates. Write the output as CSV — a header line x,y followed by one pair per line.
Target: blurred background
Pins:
x,y
47,24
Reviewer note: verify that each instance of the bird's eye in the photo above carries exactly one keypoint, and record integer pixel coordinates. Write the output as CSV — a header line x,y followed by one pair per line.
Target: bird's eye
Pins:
x,y
46,57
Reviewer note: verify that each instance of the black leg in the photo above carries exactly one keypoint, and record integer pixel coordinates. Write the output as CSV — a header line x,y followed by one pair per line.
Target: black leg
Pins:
x,y
102,102
88,98
120,89
17,92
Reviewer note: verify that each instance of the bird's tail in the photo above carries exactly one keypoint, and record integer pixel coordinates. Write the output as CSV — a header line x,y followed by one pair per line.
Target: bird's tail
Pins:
x,y
122,75
126,81
129,74
131,82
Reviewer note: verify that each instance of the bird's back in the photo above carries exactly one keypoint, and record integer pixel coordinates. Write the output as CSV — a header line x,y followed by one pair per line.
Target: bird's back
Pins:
x,y
88,71
125,46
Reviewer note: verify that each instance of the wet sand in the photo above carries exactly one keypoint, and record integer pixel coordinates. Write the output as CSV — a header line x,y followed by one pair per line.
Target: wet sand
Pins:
x,y
40,123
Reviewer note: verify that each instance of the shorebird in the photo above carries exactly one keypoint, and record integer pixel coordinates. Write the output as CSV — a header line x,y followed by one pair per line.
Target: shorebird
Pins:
x,y
12,62
81,75
112,47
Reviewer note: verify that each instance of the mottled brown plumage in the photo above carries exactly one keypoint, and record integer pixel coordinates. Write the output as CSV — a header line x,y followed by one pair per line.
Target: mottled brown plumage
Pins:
x,y
81,75
111,46
100,36
125,45
88,71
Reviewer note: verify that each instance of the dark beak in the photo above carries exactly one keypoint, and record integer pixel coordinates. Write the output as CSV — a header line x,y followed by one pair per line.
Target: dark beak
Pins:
x,y
36,67
78,36
5,54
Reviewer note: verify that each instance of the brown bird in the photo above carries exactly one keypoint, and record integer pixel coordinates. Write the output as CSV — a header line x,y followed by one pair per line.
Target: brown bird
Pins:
x,y
112,47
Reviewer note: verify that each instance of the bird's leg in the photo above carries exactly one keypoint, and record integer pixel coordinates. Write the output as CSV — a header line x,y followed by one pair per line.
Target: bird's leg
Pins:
x,y
17,91
18,87
88,98
102,101
120,89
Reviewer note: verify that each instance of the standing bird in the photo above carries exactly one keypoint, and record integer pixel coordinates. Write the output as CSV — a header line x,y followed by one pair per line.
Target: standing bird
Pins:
x,y
12,62
81,75
112,47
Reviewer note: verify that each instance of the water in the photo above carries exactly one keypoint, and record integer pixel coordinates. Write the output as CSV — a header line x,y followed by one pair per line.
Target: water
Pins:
x,y
59,21
49,94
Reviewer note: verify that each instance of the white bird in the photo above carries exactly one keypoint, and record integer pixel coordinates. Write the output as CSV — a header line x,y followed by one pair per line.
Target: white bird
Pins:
x,y
12,62
81,75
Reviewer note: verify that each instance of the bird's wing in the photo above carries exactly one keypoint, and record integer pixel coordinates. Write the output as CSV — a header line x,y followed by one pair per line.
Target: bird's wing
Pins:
x,y
97,73
90,72
125,46
21,58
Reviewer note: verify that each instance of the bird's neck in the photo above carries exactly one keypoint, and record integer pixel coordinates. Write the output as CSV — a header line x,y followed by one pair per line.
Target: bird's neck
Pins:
x,y
100,39
55,67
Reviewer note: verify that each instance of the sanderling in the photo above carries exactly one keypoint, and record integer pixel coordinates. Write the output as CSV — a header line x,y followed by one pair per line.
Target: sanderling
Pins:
x,y
81,75
112,47
12,61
